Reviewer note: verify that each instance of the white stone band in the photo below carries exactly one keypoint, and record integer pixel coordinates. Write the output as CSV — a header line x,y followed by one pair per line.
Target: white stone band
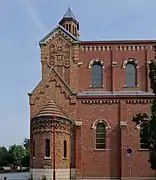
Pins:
x,y
61,174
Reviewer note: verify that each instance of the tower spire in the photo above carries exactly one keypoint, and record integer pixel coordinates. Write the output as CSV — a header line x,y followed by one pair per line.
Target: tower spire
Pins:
x,y
69,6
69,13
69,22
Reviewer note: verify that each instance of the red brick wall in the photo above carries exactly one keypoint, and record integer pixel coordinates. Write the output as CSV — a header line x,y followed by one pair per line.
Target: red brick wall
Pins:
x,y
118,74
94,162
112,162
130,138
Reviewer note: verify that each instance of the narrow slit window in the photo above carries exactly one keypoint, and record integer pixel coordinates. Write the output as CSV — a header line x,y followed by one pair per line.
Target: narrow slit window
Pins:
x,y
47,148
34,149
65,149
144,129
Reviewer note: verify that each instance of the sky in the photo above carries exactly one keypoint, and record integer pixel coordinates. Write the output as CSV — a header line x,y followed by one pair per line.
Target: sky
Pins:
x,y
24,22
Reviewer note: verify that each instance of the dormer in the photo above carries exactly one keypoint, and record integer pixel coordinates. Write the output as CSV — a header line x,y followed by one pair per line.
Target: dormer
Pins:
x,y
70,23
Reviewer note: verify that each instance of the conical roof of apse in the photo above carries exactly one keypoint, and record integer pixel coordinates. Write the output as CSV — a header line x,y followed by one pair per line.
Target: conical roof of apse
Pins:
x,y
51,109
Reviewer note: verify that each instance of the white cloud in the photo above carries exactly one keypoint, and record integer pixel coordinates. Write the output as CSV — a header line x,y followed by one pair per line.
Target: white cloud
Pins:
x,y
32,12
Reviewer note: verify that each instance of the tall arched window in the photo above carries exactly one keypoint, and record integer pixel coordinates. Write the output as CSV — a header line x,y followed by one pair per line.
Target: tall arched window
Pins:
x,y
130,75
144,130
65,149
33,149
97,75
47,148
101,136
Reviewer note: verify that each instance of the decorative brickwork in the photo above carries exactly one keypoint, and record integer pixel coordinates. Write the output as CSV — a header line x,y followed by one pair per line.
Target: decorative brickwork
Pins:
x,y
65,93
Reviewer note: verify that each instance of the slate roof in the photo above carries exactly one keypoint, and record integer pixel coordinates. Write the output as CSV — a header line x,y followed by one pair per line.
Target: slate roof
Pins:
x,y
51,109
42,41
115,93
69,14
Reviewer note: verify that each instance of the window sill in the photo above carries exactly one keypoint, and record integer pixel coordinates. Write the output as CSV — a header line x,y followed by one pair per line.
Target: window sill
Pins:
x,y
34,157
64,158
47,157
100,149
90,86
131,86
143,149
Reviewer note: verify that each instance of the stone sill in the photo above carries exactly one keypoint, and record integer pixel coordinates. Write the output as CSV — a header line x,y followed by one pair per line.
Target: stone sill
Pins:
x,y
100,149
47,158
131,86
90,86
64,158
143,149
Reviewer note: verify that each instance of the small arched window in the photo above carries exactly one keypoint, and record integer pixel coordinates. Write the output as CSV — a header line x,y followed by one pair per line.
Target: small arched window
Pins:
x,y
65,149
47,148
144,130
33,149
101,136
130,75
97,75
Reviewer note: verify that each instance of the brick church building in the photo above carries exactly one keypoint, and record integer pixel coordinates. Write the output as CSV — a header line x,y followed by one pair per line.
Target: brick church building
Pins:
x,y
81,111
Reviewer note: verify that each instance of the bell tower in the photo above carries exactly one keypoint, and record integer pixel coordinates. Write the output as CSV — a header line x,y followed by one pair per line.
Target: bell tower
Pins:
x,y
70,23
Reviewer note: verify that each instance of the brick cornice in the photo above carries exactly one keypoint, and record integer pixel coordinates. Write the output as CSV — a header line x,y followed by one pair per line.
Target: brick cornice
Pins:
x,y
118,97
116,101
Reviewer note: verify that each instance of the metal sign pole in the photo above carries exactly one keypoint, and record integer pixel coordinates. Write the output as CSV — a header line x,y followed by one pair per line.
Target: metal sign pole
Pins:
x,y
130,167
130,154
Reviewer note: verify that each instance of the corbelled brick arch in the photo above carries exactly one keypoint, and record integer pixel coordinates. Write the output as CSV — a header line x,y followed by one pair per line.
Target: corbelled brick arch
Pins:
x,y
100,121
130,60
94,61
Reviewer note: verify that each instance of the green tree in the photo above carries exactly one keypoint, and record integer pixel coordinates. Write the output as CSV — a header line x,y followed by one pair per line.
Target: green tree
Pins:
x,y
26,160
5,157
18,153
148,133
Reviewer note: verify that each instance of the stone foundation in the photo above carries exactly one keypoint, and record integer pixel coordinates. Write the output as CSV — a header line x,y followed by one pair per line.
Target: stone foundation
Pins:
x,y
61,174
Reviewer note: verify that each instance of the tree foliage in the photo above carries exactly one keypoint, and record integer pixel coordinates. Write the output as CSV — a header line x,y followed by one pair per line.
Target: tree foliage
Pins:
x,y
18,153
5,157
148,133
15,155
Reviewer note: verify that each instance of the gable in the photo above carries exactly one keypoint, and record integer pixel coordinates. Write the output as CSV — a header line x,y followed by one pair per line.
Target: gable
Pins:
x,y
51,76
58,29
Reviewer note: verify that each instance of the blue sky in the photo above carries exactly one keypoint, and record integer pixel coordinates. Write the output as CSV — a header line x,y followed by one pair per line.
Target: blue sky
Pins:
x,y
24,22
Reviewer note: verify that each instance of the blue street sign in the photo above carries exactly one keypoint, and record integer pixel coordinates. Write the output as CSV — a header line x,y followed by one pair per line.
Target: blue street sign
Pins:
x,y
129,151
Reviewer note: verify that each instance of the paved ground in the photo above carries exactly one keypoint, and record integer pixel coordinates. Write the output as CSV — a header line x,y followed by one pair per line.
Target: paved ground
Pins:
x,y
15,176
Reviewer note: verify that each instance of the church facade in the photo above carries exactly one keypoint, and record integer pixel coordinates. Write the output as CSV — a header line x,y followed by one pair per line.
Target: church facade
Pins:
x,y
81,111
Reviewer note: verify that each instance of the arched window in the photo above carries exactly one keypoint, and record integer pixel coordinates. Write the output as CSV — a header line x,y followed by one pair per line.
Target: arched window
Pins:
x,y
65,149
97,75
101,136
130,75
33,149
144,130
47,148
